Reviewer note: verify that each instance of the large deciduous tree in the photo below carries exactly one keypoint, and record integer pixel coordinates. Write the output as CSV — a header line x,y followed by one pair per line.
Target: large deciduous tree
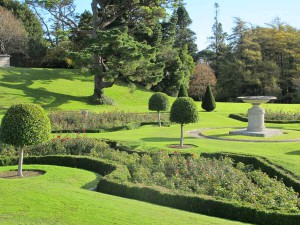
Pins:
x,y
57,16
13,36
36,46
202,76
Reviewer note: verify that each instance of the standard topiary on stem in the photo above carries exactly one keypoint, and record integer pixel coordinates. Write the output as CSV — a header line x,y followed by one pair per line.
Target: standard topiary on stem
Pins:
x,y
184,111
24,125
158,102
208,100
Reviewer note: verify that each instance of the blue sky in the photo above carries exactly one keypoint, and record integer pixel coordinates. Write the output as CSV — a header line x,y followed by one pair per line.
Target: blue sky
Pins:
x,y
257,12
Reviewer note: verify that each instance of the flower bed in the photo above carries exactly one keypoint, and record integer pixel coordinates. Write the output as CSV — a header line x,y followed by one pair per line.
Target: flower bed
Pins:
x,y
102,122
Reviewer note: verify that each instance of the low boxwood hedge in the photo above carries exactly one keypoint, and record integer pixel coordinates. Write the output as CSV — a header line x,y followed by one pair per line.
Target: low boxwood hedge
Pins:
x,y
115,181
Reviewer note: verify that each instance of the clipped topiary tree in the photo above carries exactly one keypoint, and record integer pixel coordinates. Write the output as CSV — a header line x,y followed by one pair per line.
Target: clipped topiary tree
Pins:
x,y
24,125
208,100
159,102
184,111
183,91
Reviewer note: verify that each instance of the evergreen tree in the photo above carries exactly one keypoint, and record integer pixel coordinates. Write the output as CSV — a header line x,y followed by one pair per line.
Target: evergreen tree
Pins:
x,y
158,102
184,35
183,111
218,43
208,100
114,48
183,91
177,53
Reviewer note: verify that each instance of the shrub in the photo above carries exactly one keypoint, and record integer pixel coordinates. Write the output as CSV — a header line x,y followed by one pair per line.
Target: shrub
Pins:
x,y
183,111
25,125
96,122
104,100
158,102
183,91
208,100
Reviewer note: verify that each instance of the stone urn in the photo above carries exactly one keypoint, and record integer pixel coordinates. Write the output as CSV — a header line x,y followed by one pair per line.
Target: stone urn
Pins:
x,y
256,118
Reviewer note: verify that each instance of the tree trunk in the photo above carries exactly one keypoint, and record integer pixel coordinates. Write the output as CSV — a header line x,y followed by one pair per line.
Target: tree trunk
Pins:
x,y
99,66
99,84
181,135
20,165
158,114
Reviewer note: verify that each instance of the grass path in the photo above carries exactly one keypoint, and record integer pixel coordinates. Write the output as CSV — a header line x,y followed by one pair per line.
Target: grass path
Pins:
x,y
58,197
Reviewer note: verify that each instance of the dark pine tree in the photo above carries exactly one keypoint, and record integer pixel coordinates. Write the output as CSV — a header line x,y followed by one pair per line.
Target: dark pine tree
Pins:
x,y
208,100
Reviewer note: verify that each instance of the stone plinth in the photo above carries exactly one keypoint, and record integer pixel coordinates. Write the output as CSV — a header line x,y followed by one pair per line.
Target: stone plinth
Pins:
x,y
256,118
264,133
4,60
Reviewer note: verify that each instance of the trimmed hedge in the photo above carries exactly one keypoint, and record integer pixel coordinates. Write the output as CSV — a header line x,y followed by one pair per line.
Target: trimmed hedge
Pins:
x,y
115,181
243,118
103,167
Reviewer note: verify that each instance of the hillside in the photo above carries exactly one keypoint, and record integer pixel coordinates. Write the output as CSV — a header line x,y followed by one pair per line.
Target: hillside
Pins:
x,y
61,89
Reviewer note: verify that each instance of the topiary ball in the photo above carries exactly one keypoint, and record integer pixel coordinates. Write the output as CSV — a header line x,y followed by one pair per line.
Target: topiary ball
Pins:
x,y
184,111
159,102
25,124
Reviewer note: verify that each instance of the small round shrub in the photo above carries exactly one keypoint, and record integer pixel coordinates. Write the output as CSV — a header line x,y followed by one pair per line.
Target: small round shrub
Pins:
x,y
183,111
208,100
158,102
24,125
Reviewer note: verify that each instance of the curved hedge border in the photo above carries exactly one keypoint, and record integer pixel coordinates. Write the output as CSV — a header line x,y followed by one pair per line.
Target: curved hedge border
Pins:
x,y
100,166
243,118
116,182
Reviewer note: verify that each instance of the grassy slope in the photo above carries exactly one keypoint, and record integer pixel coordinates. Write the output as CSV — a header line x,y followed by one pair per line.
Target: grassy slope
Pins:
x,y
58,198
64,90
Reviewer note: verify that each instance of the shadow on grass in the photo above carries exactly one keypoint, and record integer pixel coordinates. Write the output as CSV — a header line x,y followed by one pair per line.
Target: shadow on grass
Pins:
x,y
44,97
293,153
163,139
22,78
91,185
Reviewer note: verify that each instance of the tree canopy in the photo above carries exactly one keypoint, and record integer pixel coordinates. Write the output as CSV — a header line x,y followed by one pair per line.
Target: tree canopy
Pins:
x,y
13,36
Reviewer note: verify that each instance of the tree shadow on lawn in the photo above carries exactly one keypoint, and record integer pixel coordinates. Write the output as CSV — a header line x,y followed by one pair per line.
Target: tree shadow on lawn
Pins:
x,y
92,184
293,153
164,139
44,97
23,75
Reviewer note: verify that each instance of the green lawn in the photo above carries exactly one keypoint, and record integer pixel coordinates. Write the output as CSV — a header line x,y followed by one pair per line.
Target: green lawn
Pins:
x,y
60,89
36,199
61,196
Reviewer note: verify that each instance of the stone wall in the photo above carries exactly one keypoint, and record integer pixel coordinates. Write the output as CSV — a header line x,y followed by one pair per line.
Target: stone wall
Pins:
x,y
4,60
